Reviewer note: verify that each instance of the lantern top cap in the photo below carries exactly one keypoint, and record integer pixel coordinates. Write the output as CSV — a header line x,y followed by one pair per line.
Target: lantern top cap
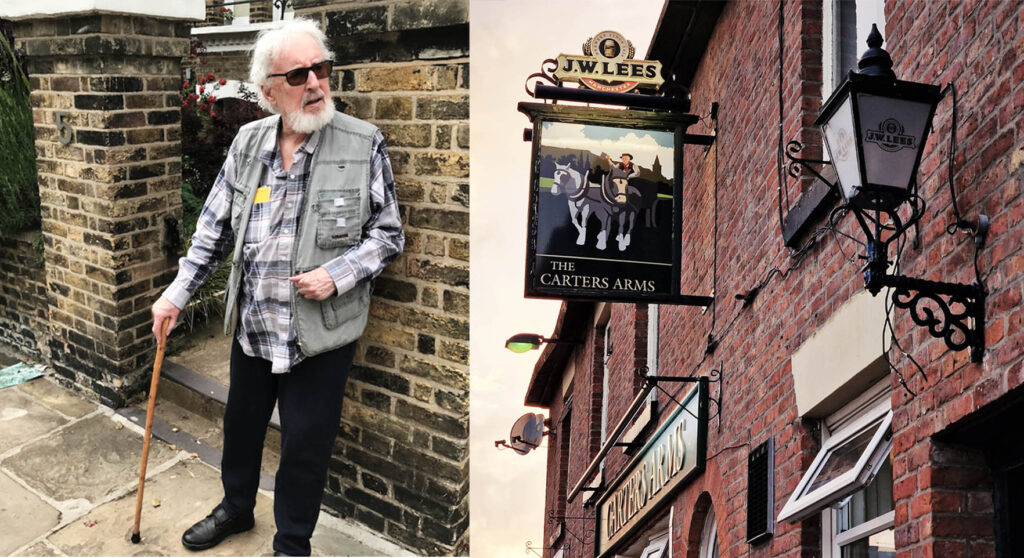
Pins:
x,y
876,60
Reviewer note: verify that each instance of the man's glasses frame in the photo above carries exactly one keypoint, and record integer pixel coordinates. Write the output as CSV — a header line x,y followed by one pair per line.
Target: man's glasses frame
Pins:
x,y
298,76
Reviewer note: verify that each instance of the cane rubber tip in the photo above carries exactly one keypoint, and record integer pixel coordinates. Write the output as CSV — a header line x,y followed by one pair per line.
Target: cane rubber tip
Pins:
x,y
136,538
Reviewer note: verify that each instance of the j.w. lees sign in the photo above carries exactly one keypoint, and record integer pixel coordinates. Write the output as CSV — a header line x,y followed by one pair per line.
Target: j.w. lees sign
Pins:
x,y
673,455
607,65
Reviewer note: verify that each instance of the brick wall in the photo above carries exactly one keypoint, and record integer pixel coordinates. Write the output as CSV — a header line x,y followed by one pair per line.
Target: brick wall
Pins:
x,y
943,492
22,293
106,193
980,48
403,466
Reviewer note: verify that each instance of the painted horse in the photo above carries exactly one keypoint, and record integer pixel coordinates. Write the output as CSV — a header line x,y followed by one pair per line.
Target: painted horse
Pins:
x,y
611,198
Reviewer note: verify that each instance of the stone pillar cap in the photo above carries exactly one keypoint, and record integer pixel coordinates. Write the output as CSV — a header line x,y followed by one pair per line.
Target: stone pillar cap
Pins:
x,y
30,9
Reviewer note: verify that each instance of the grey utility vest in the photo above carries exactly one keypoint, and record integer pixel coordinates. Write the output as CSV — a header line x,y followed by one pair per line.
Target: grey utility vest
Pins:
x,y
335,206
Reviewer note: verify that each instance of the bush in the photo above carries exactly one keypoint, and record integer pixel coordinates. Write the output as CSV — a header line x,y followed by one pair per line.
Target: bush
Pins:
x,y
208,126
19,188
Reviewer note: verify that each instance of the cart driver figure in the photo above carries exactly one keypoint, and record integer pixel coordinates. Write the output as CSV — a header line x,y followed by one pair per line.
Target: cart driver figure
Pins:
x,y
305,207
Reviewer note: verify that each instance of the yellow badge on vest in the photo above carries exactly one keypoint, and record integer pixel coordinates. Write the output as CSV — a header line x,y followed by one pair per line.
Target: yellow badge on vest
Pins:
x,y
262,194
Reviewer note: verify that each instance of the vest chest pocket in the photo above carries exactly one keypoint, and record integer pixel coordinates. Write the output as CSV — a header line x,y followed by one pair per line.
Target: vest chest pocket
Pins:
x,y
337,221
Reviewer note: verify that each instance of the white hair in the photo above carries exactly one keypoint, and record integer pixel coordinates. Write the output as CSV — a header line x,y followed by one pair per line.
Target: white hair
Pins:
x,y
270,43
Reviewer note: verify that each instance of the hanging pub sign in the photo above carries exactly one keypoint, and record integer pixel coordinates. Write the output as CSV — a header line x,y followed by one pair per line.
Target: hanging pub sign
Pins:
x,y
673,455
606,204
607,65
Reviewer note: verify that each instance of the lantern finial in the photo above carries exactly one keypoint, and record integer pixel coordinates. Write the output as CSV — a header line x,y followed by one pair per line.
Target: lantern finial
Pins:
x,y
875,61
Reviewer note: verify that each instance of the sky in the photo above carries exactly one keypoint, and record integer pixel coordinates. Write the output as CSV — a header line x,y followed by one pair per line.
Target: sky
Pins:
x,y
509,39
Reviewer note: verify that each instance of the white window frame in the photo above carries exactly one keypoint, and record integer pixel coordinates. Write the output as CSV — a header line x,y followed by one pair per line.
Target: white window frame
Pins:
x,y
803,503
657,547
652,345
709,536
829,38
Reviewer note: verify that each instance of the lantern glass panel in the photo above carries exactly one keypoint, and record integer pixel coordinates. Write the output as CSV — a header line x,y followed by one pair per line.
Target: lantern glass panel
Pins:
x,y
892,132
840,139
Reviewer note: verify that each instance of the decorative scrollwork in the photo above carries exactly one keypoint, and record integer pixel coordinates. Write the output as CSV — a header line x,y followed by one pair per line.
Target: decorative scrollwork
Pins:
x,y
546,73
796,165
951,326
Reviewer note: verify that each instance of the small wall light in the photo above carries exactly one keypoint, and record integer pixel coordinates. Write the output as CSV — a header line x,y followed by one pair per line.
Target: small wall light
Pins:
x,y
522,342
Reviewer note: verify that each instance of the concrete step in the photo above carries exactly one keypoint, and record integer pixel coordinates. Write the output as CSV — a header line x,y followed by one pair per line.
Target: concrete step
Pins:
x,y
195,434
195,376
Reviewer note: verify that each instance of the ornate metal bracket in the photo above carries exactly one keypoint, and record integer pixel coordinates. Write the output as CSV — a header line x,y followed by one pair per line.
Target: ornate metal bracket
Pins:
x,y
960,329
546,73
588,534
714,377
796,165
530,548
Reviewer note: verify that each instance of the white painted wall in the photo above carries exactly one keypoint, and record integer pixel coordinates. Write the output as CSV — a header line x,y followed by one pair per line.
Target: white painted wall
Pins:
x,y
177,9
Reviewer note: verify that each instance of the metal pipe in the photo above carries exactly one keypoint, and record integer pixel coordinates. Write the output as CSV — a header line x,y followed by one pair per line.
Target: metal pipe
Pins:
x,y
610,442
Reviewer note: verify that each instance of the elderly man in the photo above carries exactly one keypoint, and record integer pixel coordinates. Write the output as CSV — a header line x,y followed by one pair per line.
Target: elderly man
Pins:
x,y
305,204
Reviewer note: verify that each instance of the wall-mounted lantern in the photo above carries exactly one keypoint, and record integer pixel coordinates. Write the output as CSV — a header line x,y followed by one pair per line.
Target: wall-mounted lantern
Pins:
x,y
875,128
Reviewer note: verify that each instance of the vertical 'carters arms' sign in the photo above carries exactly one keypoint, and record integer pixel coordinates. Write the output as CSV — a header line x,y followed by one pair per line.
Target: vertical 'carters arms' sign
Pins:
x,y
607,65
672,456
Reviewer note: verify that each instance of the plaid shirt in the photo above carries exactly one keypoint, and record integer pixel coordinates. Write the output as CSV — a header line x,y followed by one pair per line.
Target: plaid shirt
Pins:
x,y
267,328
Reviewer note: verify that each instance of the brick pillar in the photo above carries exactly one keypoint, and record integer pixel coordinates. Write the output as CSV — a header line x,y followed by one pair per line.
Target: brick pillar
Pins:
x,y
402,465
106,84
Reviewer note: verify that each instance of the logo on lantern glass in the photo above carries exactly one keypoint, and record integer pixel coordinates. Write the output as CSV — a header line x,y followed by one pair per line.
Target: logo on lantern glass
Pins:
x,y
889,136
843,143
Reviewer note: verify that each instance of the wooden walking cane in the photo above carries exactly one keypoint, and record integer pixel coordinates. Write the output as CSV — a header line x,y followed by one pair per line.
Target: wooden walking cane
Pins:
x,y
136,538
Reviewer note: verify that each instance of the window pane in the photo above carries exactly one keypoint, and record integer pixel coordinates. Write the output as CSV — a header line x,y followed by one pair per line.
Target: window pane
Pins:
x,y
872,501
879,545
842,458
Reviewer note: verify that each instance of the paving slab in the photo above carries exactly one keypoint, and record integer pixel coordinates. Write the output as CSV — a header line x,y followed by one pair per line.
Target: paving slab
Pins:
x,y
26,510
89,460
39,549
186,492
58,398
207,432
22,418
329,542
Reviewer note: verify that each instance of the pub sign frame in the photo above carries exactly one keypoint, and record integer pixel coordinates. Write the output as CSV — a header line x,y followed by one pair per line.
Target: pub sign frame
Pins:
x,y
674,455
603,226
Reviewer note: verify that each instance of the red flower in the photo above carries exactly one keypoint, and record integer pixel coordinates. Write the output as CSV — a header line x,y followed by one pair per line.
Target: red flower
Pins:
x,y
202,89
202,81
223,81
210,76
185,85
213,99
223,9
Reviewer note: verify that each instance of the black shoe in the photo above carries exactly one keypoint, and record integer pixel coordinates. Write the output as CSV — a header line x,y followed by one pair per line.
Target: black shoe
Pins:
x,y
214,528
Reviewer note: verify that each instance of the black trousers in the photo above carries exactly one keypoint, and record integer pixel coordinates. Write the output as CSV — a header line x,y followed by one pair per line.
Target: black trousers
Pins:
x,y
309,401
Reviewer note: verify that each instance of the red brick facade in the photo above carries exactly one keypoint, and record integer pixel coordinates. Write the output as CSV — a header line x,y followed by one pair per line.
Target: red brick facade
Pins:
x,y
942,485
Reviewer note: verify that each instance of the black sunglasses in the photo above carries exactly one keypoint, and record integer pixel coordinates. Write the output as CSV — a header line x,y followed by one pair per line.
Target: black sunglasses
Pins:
x,y
298,76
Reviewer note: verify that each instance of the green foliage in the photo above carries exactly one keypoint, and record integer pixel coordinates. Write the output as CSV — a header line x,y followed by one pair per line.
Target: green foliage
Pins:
x,y
208,127
19,189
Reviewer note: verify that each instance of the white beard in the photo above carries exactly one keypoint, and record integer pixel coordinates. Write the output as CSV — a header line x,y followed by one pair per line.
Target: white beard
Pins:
x,y
304,123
